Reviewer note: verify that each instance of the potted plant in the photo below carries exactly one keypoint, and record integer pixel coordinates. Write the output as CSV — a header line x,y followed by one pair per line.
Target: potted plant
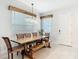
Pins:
x,y
41,32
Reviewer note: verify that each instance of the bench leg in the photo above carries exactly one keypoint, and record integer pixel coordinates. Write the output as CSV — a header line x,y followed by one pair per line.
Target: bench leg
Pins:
x,y
22,53
31,55
49,45
11,55
8,56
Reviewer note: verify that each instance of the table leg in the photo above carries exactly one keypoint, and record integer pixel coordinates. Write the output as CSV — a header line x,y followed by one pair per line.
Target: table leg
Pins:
x,y
31,55
28,53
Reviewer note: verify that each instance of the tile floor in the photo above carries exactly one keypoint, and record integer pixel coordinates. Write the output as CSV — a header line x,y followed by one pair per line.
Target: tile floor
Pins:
x,y
56,52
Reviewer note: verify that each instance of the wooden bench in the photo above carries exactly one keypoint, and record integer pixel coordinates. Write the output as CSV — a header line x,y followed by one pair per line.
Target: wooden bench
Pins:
x,y
37,47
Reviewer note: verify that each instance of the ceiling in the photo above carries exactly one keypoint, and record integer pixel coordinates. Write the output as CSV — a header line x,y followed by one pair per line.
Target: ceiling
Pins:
x,y
47,5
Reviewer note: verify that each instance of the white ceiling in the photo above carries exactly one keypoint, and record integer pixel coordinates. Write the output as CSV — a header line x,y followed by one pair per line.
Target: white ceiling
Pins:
x,y
48,5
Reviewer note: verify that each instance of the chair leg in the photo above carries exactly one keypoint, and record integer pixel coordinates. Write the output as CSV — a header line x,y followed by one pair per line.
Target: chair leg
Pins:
x,y
22,53
11,55
17,53
31,55
8,56
22,56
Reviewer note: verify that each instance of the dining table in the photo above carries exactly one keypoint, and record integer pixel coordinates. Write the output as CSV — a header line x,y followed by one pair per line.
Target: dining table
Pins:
x,y
26,41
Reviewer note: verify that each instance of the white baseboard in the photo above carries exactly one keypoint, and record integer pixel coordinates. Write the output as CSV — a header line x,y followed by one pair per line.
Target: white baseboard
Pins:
x,y
67,45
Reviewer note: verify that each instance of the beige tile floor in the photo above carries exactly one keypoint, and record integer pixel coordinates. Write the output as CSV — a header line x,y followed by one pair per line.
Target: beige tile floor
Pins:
x,y
56,52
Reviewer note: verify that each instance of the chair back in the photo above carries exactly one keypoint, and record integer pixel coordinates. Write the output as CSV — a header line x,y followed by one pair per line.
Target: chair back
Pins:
x,y
8,43
27,35
35,34
20,36
47,34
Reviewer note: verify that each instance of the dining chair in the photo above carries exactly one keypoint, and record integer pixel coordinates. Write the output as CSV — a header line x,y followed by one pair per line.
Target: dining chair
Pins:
x,y
47,34
35,34
47,39
11,49
27,35
20,36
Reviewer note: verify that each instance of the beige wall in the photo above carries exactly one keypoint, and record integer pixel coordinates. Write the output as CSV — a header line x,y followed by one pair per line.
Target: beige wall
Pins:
x,y
5,27
5,21
64,19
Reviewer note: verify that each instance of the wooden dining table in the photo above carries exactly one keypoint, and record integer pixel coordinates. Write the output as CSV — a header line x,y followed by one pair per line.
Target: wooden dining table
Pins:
x,y
26,41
